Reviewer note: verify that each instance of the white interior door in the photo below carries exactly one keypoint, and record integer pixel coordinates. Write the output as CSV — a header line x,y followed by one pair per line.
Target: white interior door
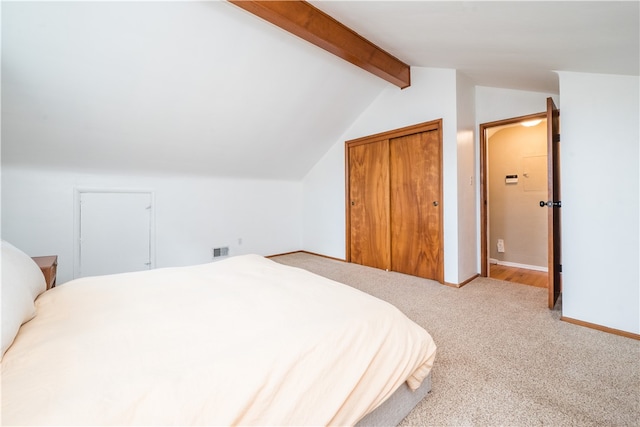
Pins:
x,y
114,233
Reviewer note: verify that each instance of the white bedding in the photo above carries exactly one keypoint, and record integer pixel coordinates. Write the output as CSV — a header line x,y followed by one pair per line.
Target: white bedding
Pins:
x,y
241,341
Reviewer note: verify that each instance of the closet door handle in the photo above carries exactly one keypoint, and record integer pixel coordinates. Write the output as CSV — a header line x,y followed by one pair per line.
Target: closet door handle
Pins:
x,y
435,203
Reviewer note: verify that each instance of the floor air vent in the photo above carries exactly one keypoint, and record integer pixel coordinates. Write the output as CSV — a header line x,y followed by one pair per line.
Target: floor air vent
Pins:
x,y
218,252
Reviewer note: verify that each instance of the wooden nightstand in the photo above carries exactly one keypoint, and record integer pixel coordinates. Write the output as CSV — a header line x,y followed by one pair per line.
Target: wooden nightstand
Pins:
x,y
49,267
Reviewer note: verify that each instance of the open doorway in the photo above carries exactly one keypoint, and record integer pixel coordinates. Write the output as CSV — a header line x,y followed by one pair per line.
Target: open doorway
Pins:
x,y
514,179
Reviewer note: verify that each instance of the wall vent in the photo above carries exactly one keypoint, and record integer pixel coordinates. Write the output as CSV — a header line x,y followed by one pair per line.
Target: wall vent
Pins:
x,y
219,252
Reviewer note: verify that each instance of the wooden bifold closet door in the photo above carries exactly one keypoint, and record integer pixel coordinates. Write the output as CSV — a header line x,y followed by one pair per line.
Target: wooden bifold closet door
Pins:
x,y
394,188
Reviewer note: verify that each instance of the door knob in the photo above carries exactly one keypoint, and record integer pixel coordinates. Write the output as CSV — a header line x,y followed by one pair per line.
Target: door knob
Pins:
x,y
550,204
435,203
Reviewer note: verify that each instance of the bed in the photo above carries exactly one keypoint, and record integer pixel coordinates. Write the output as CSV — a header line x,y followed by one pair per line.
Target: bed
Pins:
x,y
243,341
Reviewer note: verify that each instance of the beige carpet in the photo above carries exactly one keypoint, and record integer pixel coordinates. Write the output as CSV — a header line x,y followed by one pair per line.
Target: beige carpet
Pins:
x,y
503,357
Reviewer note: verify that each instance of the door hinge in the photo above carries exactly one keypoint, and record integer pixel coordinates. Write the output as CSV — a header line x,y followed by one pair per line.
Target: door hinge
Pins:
x,y
556,138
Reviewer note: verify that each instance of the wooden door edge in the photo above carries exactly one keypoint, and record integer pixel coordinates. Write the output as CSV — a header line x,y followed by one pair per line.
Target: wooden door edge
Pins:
x,y
347,204
553,194
395,133
442,201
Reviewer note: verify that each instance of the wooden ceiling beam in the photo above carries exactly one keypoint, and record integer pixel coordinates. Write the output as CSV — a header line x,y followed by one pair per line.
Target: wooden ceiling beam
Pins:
x,y
313,25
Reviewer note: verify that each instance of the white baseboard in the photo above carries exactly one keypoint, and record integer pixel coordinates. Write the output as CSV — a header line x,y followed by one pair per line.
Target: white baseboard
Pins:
x,y
517,265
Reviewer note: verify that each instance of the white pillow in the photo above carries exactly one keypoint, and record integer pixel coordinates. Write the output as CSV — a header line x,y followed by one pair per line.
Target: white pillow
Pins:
x,y
22,282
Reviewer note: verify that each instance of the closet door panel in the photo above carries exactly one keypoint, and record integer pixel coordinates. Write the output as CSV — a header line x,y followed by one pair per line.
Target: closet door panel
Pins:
x,y
369,204
415,205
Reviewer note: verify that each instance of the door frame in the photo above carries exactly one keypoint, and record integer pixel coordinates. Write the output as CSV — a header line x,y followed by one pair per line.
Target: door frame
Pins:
x,y
484,217
433,125
77,194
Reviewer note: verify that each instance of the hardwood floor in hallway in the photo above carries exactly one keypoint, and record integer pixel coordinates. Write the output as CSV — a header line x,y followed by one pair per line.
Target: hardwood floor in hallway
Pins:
x,y
523,276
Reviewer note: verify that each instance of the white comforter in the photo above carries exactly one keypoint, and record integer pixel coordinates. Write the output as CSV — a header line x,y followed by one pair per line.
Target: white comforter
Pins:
x,y
241,341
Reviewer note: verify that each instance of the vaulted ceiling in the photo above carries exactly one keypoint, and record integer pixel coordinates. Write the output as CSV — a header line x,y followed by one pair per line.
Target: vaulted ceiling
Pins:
x,y
509,44
207,88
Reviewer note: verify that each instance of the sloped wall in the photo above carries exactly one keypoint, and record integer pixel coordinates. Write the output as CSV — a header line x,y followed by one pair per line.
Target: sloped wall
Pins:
x,y
197,87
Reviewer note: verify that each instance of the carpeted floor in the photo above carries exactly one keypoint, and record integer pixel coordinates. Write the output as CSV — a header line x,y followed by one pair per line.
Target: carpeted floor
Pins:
x,y
503,357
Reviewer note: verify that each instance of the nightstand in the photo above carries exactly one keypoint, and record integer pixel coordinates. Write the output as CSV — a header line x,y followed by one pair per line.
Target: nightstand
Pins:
x,y
49,267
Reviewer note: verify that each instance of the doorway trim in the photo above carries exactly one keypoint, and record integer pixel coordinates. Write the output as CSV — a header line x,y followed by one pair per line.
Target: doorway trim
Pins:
x,y
484,217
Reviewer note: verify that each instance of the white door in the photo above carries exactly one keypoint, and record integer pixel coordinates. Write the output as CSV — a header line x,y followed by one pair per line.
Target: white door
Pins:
x,y
114,232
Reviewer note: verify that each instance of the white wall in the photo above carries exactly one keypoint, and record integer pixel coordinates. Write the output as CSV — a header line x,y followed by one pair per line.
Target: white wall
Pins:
x,y
498,104
323,230
431,96
493,104
600,140
467,177
192,214
434,93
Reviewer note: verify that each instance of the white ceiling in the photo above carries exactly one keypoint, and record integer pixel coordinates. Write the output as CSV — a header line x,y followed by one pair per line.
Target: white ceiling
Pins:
x,y
509,44
207,88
